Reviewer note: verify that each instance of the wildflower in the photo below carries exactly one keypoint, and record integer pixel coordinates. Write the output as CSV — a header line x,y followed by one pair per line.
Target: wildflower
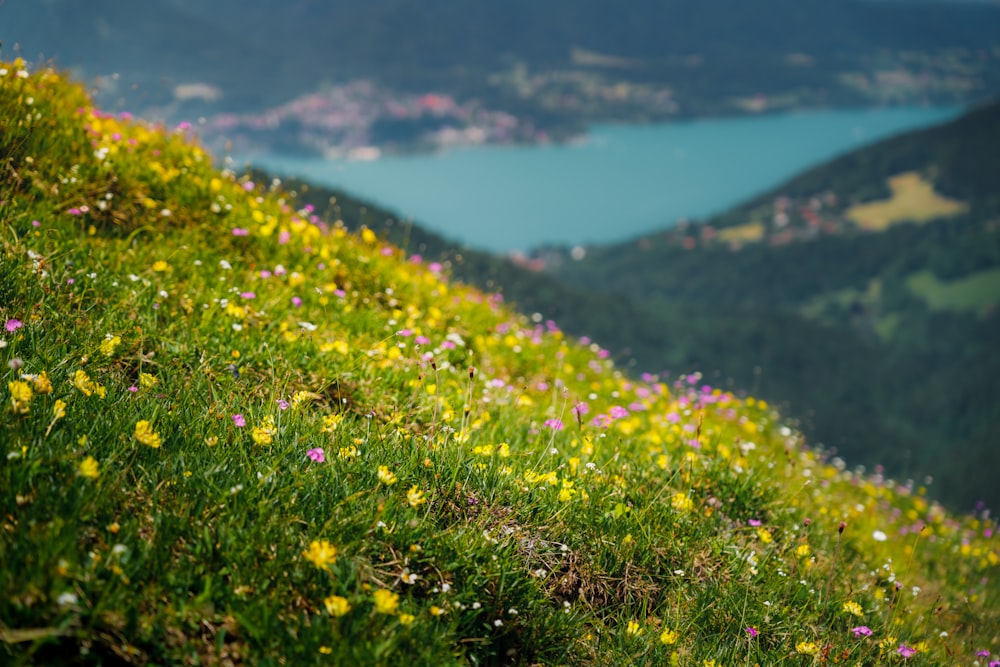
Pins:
x,y
807,648
20,396
879,536
906,651
752,631
406,619
853,608
58,409
13,324
710,663
436,610
765,535
681,502
316,454
862,631
144,433
415,497
239,420
66,599
321,553
633,629
88,468
386,476
330,422
42,383
803,550
503,450
668,636
386,602
160,266
336,605
554,424
146,380
265,432
83,382
109,344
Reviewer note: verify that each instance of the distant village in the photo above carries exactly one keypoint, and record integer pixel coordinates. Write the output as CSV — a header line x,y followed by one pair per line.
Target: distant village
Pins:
x,y
362,119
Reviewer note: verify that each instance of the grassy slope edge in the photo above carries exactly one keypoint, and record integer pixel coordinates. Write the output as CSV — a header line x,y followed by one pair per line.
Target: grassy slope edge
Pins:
x,y
233,433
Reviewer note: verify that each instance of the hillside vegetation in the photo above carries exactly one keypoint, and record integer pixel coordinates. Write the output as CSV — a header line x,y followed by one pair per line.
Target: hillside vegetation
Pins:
x,y
235,433
882,344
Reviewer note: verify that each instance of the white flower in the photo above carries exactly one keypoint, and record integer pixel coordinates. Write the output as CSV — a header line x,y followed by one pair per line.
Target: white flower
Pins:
x,y
66,599
224,265
879,536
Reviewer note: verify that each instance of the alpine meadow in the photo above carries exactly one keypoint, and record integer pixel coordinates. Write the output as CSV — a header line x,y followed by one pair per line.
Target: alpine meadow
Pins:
x,y
234,432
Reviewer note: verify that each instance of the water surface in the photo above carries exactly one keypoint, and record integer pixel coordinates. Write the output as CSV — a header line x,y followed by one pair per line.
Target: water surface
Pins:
x,y
620,182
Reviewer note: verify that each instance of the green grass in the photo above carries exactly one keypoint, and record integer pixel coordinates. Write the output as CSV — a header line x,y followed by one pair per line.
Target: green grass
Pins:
x,y
971,293
179,344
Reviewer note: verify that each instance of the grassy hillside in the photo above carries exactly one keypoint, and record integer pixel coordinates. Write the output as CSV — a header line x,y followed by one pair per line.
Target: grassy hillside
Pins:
x,y
233,434
900,323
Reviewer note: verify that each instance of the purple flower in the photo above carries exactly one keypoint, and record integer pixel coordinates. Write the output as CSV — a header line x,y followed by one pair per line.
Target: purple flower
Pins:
x,y
581,409
13,325
297,302
906,651
316,454
239,420
862,631
617,412
133,389
248,186
239,231
554,424
35,223
982,654
283,404
754,522
752,631
248,295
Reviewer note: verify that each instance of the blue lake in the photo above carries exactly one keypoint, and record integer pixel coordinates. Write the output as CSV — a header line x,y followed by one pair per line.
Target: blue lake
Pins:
x,y
618,183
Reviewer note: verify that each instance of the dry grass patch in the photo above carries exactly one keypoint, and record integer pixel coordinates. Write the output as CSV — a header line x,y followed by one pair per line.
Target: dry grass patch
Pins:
x,y
913,200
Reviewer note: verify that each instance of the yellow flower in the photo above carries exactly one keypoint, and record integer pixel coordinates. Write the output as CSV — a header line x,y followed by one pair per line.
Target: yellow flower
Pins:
x,y
681,502
415,497
20,396
160,266
406,619
330,422
765,535
436,610
710,663
633,629
807,648
321,553
83,382
386,476
503,450
144,433
336,605
109,344
669,636
42,383
58,409
386,602
853,608
146,380
88,468
803,550
264,434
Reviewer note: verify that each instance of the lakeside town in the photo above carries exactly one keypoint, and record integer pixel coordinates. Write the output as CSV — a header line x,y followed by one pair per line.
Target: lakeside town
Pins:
x,y
362,119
